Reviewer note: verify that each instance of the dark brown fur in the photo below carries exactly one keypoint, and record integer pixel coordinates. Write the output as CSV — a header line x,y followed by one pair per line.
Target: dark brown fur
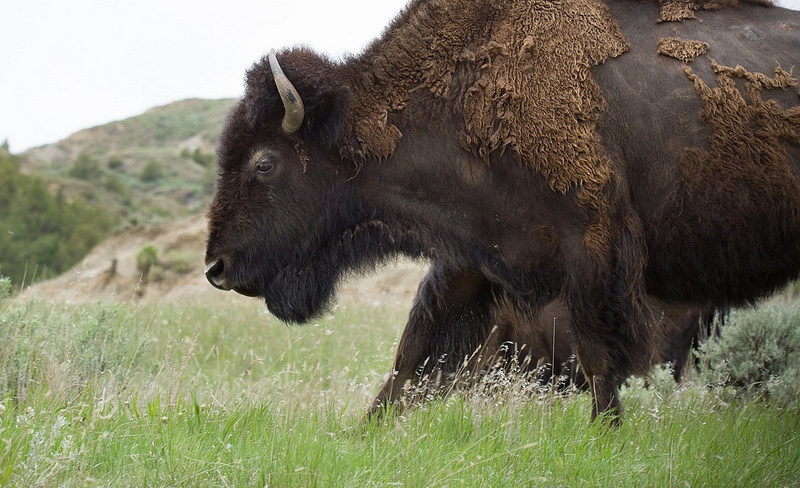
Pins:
x,y
533,151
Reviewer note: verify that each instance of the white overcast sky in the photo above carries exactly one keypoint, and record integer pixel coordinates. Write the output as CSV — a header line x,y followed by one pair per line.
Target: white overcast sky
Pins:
x,y
66,65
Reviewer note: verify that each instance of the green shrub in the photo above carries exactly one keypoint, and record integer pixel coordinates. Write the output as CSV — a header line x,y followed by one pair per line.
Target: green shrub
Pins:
x,y
151,172
145,260
207,160
43,233
115,185
115,162
85,168
758,352
198,156
62,349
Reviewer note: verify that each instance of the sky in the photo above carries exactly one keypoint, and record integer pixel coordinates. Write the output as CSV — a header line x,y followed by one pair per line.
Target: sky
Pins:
x,y
67,65
74,64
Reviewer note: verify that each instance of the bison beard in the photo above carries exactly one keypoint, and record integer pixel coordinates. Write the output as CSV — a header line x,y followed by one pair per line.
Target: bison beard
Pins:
x,y
298,294
533,150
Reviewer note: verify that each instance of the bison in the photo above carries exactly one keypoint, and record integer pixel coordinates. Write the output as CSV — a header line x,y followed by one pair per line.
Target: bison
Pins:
x,y
588,151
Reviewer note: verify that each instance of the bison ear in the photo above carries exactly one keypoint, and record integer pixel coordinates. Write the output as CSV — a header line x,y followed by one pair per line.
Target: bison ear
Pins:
x,y
325,117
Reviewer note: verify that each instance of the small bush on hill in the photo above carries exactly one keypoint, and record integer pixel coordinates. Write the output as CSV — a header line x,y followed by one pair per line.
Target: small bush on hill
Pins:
x,y
151,172
145,260
115,162
85,168
114,184
202,158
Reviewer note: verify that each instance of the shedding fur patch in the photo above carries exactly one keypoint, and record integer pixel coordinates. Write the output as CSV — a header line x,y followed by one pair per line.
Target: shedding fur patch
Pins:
x,y
529,88
532,93
747,160
678,10
420,49
535,95
683,50
743,120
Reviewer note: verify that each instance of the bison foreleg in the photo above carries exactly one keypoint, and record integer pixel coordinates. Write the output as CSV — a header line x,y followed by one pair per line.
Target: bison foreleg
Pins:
x,y
449,319
611,318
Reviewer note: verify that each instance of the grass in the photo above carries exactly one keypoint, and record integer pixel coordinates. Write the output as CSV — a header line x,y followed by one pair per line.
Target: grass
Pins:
x,y
170,396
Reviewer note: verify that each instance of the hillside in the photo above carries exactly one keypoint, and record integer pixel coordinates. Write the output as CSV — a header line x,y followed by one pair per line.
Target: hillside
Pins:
x,y
109,273
146,169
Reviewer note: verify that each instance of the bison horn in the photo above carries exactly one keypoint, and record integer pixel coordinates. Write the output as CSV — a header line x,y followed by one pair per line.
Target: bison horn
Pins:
x,y
292,103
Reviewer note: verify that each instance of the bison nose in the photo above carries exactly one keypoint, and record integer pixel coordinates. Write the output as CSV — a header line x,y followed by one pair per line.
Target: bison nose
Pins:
x,y
214,272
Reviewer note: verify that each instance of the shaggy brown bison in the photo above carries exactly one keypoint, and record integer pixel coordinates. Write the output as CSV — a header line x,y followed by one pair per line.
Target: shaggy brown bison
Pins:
x,y
532,150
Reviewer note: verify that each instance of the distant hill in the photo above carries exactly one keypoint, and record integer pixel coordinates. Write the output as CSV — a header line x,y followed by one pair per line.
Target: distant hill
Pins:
x,y
151,168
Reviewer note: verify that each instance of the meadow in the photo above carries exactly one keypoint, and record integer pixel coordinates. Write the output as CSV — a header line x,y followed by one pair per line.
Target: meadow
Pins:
x,y
212,395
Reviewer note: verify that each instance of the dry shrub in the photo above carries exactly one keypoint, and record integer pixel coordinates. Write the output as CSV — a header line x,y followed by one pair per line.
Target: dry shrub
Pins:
x,y
758,353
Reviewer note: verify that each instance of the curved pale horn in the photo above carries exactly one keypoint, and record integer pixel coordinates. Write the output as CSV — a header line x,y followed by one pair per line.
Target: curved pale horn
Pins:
x,y
292,103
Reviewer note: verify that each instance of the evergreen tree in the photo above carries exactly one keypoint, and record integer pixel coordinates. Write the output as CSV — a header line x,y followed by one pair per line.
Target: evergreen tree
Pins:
x,y
42,235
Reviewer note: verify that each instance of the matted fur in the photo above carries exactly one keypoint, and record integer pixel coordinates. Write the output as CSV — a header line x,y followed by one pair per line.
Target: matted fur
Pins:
x,y
747,129
678,10
747,144
420,49
684,50
533,94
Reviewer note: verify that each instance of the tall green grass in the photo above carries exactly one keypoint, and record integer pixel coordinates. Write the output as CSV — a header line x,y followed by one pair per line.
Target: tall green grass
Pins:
x,y
221,396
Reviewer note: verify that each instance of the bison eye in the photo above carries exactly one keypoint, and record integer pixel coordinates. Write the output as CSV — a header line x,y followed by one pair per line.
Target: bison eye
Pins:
x,y
265,166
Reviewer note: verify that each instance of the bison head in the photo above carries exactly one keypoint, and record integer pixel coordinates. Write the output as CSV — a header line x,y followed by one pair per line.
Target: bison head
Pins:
x,y
282,210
